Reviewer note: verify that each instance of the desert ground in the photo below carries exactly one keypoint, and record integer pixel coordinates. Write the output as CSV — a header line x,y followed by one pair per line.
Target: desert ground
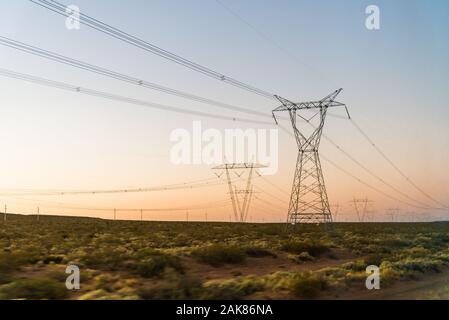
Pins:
x,y
200,260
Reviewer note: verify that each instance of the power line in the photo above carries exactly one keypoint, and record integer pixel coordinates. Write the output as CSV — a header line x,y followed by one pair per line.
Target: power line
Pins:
x,y
119,76
281,190
264,208
358,179
270,195
208,205
421,205
294,57
201,206
272,41
424,205
110,96
17,45
362,209
139,43
100,26
267,202
265,191
180,186
368,185
115,210
395,166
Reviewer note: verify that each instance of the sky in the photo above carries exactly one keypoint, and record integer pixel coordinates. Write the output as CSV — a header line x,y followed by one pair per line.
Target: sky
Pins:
x,y
395,83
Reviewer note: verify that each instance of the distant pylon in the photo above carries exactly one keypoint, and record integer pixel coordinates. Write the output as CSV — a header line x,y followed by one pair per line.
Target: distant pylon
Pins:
x,y
336,211
308,202
393,212
240,198
361,208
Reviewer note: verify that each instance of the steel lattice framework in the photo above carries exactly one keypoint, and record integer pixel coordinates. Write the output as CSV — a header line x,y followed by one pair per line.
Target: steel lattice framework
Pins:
x,y
308,201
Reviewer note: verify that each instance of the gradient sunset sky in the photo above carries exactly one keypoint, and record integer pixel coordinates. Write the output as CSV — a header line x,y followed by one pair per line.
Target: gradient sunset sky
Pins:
x,y
395,81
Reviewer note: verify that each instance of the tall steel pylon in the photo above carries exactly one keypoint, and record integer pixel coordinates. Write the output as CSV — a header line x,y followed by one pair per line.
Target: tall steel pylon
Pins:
x,y
308,201
240,198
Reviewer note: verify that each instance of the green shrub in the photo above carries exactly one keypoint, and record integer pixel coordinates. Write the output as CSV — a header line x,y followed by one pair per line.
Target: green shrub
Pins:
x,y
421,265
307,285
359,265
300,258
146,252
395,243
8,262
104,259
436,241
389,273
54,259
314,248
374,259
156,265
185,288
27,255
305,256
152,263
34,289
4,278
444,257
258,252
60,275
101,261
217,255
231,289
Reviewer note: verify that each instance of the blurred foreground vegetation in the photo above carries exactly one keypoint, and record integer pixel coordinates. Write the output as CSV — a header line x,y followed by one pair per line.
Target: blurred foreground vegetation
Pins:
x,y
177,260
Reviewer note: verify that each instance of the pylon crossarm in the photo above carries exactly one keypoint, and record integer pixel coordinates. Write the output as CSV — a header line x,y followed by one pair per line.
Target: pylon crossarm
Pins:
x,y
326,102
233,166
331,97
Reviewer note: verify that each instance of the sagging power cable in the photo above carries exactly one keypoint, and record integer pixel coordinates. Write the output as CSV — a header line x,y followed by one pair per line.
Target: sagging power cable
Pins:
x,y
149,47
110,96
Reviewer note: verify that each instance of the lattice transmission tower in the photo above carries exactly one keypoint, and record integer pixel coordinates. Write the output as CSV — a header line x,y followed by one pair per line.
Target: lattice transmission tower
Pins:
x,y
240,198
308,201
361,207
393,213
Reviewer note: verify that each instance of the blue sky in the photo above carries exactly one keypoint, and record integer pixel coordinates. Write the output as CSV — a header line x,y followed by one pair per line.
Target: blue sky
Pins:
x,y
395,83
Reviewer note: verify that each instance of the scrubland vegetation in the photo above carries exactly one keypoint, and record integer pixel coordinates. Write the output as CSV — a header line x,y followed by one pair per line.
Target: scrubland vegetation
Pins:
x,y
162,260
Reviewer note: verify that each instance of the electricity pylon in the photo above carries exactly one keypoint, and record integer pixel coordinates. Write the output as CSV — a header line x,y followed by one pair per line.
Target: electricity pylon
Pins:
x,y
361,208
393,213
240,198
308,201
336,211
